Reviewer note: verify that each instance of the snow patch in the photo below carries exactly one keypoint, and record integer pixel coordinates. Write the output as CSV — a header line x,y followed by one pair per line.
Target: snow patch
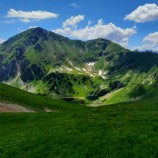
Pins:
x,y
84,70
100,72
69,69
92,75
91,63
70,62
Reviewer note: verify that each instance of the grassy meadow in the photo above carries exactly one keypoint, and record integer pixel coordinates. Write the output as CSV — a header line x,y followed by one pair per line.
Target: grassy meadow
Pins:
x,y
124,130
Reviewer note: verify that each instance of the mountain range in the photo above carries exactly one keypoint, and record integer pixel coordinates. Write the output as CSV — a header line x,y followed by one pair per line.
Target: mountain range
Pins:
x,y
98,71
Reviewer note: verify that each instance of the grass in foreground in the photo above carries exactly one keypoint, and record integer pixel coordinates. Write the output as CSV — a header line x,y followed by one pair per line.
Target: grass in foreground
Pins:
x,y
124,130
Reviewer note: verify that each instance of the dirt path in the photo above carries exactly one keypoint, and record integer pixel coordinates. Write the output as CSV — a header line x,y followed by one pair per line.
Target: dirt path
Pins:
x,y
5,107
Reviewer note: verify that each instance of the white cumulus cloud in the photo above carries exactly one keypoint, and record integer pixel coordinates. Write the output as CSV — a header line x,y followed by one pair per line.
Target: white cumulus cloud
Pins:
x,y
146,47
1,41
151,42
99,30
73,21
145,13
25,16
152,37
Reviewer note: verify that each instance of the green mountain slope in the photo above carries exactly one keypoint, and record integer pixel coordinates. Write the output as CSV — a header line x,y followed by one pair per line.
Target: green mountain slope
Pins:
x,y
14,96
43,62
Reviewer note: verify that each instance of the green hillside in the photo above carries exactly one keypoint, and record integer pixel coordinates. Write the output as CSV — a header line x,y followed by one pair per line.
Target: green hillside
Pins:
x,y
38,103
121,130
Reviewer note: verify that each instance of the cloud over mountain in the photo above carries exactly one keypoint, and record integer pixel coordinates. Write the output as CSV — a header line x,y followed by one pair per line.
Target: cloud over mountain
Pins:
x,y
1,41
152,37
100,30
151,42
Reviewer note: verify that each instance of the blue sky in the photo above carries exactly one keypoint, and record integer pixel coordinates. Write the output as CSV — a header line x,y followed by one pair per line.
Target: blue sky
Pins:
x,y
131,23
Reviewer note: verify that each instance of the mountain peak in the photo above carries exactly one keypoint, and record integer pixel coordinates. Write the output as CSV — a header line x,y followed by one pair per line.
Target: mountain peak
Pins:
x,y
38,30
